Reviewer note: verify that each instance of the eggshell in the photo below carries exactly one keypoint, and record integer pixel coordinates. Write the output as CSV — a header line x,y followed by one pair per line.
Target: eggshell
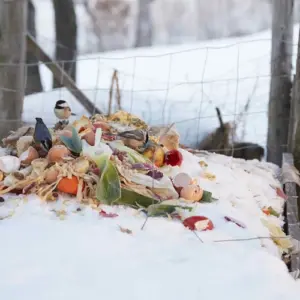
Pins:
x,y
57,153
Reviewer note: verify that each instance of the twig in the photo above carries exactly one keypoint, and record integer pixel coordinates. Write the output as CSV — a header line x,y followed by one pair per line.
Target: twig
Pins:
x,y
251,239
118,94
111,92
114,79
220,118
144,224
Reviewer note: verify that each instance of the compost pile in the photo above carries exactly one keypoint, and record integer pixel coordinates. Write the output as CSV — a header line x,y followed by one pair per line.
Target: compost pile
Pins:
x,y
89,159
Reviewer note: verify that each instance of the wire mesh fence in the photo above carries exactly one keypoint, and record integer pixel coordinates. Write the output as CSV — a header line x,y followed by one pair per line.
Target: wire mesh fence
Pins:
x,y
181,85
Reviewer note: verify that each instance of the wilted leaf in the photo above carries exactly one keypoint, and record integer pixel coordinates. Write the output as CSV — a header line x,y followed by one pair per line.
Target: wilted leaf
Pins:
x,y
133,199
74,143
109,186
207,197
155,210
273,212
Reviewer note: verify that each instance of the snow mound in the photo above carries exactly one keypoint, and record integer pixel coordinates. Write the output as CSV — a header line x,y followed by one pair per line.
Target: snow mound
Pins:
x,y
58,251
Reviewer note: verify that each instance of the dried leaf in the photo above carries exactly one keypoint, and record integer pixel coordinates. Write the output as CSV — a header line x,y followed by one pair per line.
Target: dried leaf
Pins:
x,y
104,214
61,214
238,223
155,210
209,176
280,193
125,230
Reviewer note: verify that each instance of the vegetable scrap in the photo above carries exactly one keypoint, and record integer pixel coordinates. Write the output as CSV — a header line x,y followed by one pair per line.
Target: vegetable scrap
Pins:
x,y
125,230
236,222
111,160
104,214
102,160
199,223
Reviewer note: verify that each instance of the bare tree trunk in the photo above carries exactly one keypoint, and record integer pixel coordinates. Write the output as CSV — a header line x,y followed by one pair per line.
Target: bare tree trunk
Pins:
x,y
281,84
13,18
66,37
33,84
144,24
295,143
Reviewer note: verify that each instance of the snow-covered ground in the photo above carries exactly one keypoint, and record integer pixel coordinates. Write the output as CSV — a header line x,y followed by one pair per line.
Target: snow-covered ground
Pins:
x,y
181,84
66,254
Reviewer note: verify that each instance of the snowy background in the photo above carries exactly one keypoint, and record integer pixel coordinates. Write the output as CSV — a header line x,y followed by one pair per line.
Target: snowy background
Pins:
x,y
178,83
53,251
186,21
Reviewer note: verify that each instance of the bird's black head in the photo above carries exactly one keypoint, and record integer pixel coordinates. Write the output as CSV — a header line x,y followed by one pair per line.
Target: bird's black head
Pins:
x,y
61,104
39,120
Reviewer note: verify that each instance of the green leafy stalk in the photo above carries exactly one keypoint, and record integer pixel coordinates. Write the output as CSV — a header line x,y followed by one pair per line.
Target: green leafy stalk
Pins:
x,y
73,143
135,200
109,187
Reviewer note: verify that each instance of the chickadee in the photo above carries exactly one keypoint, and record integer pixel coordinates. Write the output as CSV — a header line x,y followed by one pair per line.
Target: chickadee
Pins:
x,y
62,110
136,139
42,135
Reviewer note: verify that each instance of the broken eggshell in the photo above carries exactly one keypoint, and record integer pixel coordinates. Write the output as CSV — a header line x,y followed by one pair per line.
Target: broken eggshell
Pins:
x,y
15,177
89,136
181,180
9,164
170,141
28,156
192,192
57,153
51,175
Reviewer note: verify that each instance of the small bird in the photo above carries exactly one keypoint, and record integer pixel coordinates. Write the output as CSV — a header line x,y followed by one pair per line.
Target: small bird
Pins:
x,y
136,139
42,135
62,110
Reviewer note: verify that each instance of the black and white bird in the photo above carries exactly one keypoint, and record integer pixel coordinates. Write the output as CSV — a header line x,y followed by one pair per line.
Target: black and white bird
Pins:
x,y
42,136
136,139
62,110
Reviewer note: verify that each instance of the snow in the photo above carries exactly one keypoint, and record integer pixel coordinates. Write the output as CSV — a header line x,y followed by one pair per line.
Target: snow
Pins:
x,y
81,255
181,84
186,21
